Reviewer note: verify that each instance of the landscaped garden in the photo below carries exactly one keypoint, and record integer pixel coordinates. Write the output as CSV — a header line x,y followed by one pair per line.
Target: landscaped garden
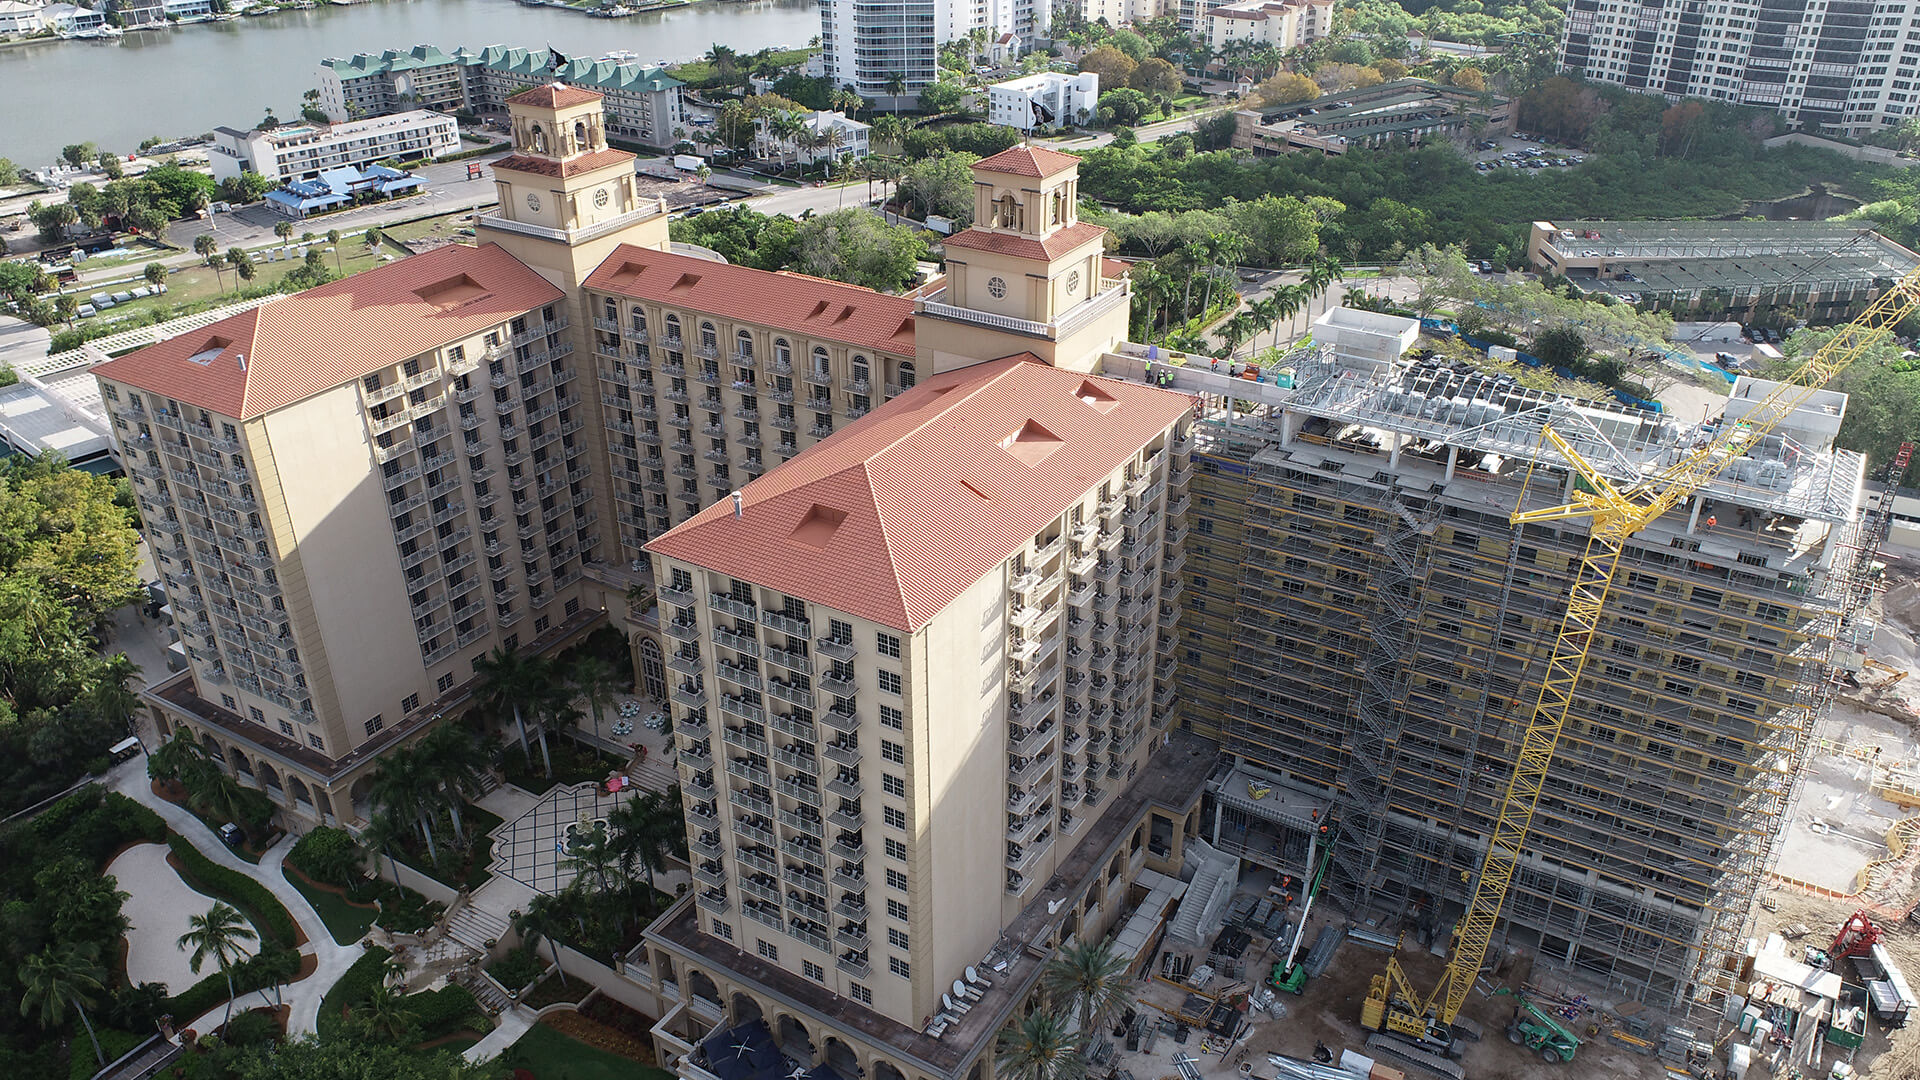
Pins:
x,y
549,1052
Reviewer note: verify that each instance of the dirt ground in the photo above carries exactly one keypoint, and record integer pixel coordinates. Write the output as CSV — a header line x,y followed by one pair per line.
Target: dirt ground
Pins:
x,y
1329,1013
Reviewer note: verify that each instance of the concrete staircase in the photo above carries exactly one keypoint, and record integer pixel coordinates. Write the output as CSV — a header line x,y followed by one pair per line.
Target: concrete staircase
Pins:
x,y
473,928
1208,893
654,774
485,990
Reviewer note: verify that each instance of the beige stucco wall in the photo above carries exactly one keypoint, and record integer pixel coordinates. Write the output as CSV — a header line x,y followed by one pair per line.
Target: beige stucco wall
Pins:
x,y
959,819
346,549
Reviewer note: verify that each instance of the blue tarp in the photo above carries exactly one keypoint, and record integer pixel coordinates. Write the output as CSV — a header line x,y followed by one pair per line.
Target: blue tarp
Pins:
x,y
746,1052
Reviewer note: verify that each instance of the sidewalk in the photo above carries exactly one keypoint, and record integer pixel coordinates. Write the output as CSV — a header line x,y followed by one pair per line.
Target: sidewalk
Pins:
x,y
512,1026
129,778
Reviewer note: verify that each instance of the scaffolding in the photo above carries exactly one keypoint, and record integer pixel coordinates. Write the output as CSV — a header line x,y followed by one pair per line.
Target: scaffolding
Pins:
x,y
1390,618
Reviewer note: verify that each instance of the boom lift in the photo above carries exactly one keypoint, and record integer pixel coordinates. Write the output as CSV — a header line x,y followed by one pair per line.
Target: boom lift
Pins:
x,y
1537,1029
1616,513
1289,975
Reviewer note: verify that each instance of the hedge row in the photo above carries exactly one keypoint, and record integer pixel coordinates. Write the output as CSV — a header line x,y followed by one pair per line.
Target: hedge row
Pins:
x,y
268,915
351,989
187,1006
445,1011
113,1043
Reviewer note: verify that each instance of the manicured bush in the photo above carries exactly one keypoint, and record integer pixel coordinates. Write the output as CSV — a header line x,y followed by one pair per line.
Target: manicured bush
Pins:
x,y
444,1011
212,989
352,988
516,969
82,1065
268,915
252,1028
92,823
408,912
329,855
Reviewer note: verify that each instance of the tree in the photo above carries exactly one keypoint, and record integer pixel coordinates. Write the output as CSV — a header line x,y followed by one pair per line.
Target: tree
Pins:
x,y
856,247
941,185
456,763
53,979
283,229
1039,1047
78,154
155,273
644,830
242,264
1561,346
940,97
1123,106
1089,978
1156,78
9,173
52,220
222,933
543,918
1390,69
593,679
896,86
1113,66
401,787
333,241
1468,78
66,307
372,238
385,1013
510,681
1287,88
307,1058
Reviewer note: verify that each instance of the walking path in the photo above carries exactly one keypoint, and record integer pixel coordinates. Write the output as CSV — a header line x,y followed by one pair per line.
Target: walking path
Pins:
x,y
129,778
157,917
512,1026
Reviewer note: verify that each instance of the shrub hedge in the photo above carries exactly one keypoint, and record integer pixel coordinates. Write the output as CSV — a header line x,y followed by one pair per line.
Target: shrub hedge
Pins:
x,y
81,1064
351,989
268,915
186,1006
328,855
445,1011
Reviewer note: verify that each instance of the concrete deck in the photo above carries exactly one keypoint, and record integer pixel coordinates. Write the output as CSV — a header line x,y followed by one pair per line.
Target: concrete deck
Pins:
x,y
159,908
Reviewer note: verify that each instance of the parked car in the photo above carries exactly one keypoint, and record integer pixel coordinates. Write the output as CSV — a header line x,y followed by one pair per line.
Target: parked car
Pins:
x,y
231,835
1486,266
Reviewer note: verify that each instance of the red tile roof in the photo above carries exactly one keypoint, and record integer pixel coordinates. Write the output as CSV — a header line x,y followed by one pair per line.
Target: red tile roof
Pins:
x,y
1023,160
291,349
794,302
555,96
1027,247
893,517
544,166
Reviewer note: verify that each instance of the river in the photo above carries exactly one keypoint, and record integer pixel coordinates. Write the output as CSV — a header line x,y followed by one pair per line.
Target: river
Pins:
x,y
187,81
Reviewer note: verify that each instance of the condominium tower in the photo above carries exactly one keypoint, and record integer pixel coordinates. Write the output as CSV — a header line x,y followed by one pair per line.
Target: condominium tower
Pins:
x,y
1843,66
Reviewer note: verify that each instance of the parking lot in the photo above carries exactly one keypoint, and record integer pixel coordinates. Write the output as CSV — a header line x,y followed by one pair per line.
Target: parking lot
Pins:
x,y
1522,152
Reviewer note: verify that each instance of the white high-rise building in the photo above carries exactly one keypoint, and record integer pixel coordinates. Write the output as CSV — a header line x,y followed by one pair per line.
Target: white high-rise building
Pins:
x,y
864,43
1844,66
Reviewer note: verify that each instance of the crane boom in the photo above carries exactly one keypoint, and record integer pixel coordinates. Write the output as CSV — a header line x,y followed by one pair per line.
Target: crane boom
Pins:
x,y
1616,515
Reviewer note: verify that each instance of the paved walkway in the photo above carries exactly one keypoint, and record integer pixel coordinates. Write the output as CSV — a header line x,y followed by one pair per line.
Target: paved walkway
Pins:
x,y
129,778
512,1026
158,911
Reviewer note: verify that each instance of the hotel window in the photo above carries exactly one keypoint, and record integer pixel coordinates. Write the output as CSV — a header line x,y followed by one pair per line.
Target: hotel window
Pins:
x,y
896,880
888,644
893,752
896,818
890,717
898,966
893,786
770,951
860,993
896,850
890,681
375,724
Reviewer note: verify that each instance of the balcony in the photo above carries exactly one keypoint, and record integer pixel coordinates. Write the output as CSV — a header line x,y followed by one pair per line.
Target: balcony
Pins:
x,y
793,660
843,753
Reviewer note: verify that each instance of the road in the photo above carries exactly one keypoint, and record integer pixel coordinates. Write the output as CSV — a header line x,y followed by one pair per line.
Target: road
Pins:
x,y
1146,133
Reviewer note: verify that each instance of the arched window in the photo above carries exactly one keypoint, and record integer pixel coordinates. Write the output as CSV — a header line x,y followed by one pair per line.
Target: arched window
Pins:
x,y
709,338
860,369
907,376
537,139
613,309
579,136
743,346
673,331
639,320
782,352
820,362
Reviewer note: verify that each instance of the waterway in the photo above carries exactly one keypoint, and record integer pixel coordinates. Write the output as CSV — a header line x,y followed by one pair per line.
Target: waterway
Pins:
x,y
188,80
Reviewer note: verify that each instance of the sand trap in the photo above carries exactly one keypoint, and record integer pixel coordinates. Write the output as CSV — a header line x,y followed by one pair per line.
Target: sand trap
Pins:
x,y
158,910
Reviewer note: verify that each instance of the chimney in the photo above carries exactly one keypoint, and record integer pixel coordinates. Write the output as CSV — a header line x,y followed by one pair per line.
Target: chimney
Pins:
x,y
739,508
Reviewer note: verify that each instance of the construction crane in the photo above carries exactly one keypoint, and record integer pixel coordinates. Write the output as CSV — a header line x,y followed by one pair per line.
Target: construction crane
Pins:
x,y
1616,513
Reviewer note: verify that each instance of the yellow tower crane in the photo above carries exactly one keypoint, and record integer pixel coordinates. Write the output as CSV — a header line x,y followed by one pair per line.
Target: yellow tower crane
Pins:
x,y
1617,513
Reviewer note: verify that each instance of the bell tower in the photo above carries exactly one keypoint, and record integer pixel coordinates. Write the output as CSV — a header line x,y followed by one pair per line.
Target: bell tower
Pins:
x,y
566,198
1028,276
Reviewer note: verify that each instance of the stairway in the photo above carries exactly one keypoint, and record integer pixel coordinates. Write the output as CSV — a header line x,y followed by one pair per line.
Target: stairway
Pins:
x,y
472,928
485,990
654,774
1207,895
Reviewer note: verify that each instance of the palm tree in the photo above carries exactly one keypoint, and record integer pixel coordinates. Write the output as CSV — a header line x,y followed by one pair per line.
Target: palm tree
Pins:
x,y
178,758
380,834
1089,978
333,241
52,979
283,229
208,249
644,830
222,934
896,85
400,785
593,679
109,695
541,919
1193,252
386,1013
277,967
1040,1047
511,680
456,763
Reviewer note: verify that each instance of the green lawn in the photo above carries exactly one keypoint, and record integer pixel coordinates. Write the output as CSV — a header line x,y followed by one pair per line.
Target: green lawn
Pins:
x,y
345,922
549,1055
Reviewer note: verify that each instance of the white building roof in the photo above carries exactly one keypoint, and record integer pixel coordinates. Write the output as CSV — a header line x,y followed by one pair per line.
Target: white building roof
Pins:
x,y
33,419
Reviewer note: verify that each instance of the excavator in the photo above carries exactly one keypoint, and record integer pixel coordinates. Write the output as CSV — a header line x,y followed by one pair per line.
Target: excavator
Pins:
x,y
1425,1024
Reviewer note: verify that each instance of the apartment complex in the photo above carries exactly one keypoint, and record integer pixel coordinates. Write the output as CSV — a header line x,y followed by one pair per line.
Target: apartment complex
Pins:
x,y
940,620
1366,632
866,43
1846,67
304,151
369,84
1282,24
324,610
642,102
1048,99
